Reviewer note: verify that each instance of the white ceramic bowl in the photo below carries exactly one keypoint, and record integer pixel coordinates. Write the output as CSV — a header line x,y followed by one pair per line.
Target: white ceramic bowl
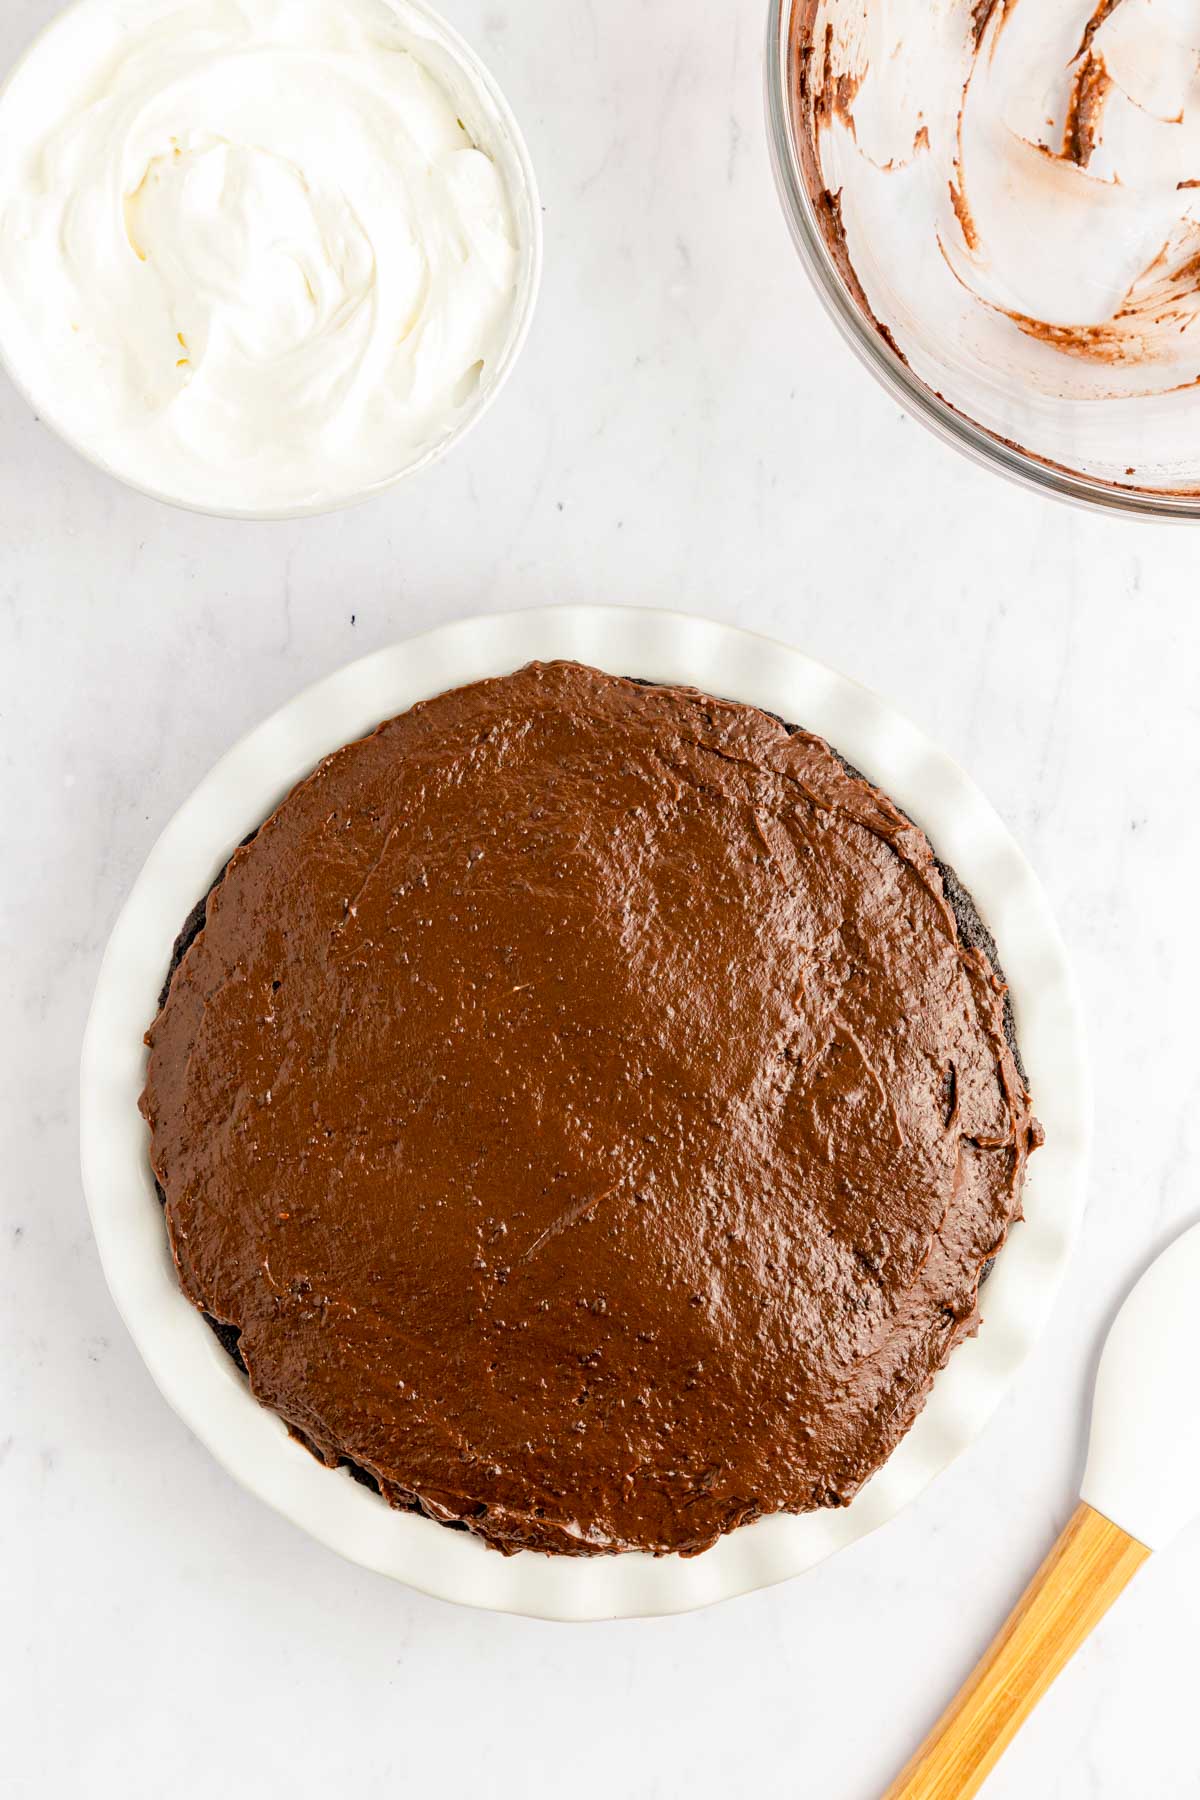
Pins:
x,y
201,1382
494,128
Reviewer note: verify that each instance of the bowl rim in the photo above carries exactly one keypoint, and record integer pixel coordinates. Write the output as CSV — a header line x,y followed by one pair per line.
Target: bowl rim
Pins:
x,y
201,1383
527,208
985,448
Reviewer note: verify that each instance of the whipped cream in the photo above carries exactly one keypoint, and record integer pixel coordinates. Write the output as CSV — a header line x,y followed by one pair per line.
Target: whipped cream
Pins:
x,y
1012,189
255,255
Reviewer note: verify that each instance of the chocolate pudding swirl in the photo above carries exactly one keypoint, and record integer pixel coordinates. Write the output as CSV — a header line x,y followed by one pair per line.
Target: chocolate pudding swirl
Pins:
x,y
583,1111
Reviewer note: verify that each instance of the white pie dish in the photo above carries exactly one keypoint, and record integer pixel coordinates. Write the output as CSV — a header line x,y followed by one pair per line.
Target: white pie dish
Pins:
x,y
184,1357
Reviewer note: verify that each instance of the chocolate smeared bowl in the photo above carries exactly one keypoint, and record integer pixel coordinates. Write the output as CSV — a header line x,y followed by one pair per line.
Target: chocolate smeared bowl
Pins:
x,y
999,203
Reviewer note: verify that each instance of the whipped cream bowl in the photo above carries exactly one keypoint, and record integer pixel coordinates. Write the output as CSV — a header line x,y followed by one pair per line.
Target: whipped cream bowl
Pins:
x,y
999,203
261,258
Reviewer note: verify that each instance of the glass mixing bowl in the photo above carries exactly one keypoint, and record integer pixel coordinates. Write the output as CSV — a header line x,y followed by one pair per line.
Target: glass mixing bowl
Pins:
x,y
1076,447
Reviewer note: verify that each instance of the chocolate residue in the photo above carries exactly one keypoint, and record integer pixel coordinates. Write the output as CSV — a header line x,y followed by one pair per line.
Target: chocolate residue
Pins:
x,y
554,1108
1104,11
962,212
829,216
1096,343
1161,304
981,17
833,97
1085,110
816,101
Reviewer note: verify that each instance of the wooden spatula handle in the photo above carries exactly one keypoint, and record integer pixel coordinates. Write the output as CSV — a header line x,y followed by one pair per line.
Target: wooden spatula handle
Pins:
x,y
1071,1592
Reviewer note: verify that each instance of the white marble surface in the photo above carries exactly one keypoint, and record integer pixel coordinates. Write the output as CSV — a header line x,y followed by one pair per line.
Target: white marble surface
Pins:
x,y
685,430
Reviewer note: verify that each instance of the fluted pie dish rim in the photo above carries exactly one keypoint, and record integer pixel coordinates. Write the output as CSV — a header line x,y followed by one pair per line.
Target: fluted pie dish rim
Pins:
x,y
186,1360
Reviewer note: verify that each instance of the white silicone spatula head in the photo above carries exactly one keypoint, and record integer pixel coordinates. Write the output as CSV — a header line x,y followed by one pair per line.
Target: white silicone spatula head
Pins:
x,y
1143,1468
1142,1486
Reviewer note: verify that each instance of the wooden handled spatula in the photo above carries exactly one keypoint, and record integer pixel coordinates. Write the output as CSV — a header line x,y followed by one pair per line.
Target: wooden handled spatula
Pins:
x,y
1141,1487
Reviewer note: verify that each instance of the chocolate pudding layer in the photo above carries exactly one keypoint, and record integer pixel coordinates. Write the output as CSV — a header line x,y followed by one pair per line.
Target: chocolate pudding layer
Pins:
x,y
585,1115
